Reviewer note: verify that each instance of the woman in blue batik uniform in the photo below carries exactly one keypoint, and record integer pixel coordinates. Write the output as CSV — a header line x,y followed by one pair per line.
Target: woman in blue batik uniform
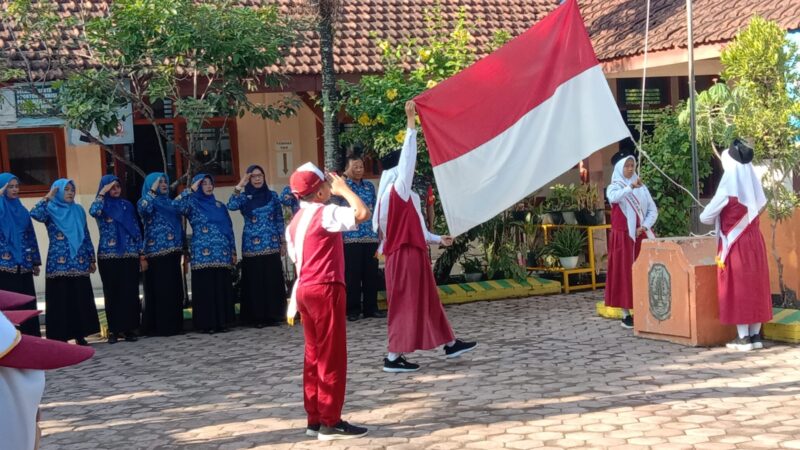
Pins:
x,y
19,251
162,314
69,298
120,258
213,254
289,200
360,246
263,288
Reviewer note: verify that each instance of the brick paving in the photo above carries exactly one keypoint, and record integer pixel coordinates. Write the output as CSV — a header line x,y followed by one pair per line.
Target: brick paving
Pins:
x,y
547,373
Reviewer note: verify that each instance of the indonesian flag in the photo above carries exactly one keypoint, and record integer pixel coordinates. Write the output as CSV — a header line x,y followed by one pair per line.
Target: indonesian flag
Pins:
x,y
515,120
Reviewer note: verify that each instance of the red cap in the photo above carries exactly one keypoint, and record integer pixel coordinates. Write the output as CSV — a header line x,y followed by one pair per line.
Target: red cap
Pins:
x,y
18,317
13,300
306,180
20,351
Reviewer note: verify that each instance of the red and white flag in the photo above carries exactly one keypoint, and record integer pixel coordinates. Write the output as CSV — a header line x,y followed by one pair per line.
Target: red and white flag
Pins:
x,y
515,120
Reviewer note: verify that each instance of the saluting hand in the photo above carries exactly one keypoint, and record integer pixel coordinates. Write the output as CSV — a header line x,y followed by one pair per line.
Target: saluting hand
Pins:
x,y
196,185
52,194
245,179
155,185
338,185
107,188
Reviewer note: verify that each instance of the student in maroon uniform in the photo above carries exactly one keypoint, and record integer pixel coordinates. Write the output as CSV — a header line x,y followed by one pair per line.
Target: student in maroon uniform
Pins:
x,y
314,243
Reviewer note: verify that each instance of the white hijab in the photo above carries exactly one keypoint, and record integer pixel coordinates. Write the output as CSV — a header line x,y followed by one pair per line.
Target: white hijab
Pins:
x,y
631,205
740,181
388,177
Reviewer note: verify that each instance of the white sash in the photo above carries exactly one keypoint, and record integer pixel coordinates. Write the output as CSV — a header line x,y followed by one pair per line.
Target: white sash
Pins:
x,y
727,240
295,251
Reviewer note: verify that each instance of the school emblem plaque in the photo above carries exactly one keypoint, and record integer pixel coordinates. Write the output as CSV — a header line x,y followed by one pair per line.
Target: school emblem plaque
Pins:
x,y
660,292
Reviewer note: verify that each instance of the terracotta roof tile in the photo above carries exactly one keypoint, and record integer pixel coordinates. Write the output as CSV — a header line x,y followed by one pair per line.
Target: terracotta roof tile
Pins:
x,y
616,26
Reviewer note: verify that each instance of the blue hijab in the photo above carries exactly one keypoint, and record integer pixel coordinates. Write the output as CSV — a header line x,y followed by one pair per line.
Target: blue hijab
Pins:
x,y
14,219
162,202
121,210
69,218
256,197
207,206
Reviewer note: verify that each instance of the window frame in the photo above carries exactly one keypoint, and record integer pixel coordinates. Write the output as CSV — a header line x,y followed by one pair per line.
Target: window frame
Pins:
x,y
60,144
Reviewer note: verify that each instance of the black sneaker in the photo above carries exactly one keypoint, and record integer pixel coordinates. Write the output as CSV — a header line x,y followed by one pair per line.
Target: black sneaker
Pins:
x,y
460,347
352,317
627,322
342,430
740,344
399,365
755,341
312,430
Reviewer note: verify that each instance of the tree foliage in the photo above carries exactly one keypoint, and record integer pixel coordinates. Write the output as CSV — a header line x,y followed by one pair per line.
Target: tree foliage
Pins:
x,y
204,56
669,148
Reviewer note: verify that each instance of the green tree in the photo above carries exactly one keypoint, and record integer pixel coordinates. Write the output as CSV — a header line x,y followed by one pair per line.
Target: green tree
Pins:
x,y
204,56
760,107
669,148
411,66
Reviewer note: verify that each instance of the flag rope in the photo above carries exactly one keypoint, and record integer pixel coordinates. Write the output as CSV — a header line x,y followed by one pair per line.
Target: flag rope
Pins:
x,y
637,143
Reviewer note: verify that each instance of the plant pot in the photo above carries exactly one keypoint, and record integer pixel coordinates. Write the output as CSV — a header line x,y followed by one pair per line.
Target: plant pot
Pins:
x,y
569,217
589,217
552,218
472,277
568,262
532,259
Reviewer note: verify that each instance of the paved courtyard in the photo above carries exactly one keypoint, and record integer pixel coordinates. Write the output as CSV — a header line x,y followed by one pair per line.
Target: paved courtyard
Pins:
x,y
547,372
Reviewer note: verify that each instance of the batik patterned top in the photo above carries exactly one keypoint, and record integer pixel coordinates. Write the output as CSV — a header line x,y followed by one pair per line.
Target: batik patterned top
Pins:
x,y
366,192
30,257
263,227
289,200
59,262
109,247
209,247
160,236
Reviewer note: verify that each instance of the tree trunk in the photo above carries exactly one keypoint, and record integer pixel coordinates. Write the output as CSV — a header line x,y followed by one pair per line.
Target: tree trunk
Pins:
x,y
333,157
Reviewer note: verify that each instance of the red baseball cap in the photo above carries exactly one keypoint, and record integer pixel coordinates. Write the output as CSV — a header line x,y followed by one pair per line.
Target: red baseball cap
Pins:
x,y
18,317
20,351
306,180
13,300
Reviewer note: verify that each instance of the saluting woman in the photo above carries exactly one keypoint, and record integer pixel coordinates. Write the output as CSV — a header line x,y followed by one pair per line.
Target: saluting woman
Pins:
x,y
263,288
162,313
120,258
19,250
69,298
213,254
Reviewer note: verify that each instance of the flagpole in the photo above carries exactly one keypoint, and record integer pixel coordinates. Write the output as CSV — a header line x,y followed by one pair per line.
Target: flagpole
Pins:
x,y
692,120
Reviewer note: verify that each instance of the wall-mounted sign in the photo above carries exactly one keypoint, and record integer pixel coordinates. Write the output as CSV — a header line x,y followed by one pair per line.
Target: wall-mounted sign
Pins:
x,y
284,165
123,135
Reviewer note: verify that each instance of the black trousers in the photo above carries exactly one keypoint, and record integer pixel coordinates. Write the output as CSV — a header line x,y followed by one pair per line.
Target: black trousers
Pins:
x,y
22,283
361,277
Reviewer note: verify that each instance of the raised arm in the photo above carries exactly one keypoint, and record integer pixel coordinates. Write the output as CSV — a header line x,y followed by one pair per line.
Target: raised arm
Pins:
x,y
408,155
650,212
39,212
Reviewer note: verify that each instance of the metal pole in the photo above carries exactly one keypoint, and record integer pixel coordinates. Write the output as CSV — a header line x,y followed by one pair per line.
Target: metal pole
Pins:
x,y
692,120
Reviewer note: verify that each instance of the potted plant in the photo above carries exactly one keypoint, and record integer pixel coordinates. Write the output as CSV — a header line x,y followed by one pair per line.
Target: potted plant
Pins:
x,y
567,244
588,214
473,268
562,202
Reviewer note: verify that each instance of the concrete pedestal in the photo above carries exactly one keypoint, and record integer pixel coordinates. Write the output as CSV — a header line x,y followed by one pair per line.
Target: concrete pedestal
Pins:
x,y
675,292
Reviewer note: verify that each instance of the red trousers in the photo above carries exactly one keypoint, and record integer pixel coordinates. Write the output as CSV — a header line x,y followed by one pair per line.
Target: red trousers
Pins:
x,y
323,308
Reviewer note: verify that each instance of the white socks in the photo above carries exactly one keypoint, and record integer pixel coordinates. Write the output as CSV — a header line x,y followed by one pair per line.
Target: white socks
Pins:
x,y
393,356
451,343
625,313
746,330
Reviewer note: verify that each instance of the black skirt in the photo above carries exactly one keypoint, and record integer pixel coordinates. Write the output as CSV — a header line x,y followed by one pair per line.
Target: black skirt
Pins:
x,y
212,298
120,278
263,290
163,296
70,312
22,283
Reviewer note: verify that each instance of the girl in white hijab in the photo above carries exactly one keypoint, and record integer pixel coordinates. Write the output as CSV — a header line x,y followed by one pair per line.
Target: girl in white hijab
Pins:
x,y
742,269
633,214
